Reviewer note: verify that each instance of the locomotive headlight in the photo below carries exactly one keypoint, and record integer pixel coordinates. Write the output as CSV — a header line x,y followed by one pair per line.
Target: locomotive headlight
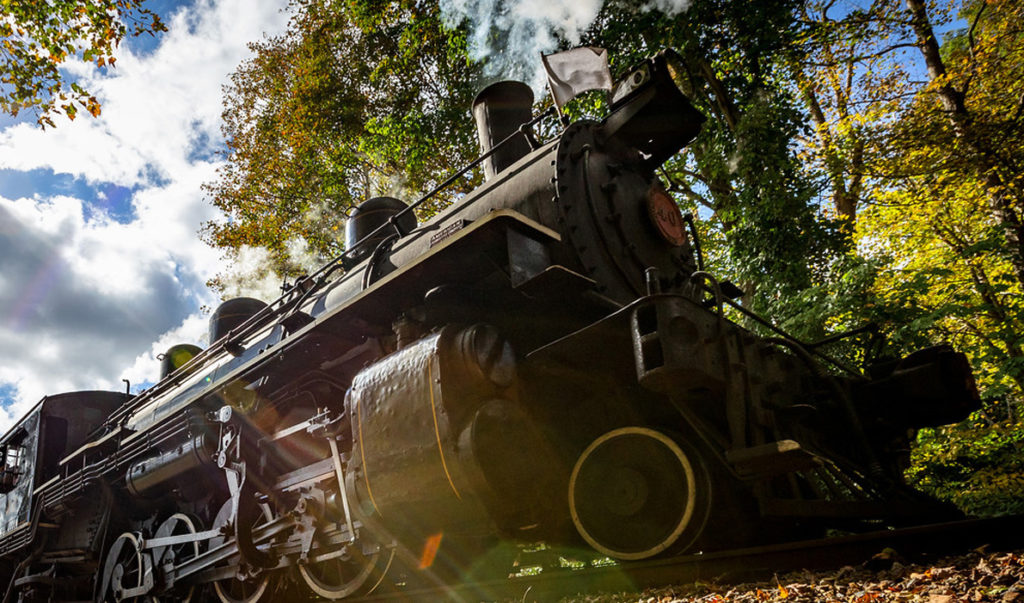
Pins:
x,y
650,112
676,70
631,83
666,65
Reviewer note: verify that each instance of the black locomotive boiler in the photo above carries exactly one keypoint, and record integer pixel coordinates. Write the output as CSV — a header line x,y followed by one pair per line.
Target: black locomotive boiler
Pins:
x,y
545,360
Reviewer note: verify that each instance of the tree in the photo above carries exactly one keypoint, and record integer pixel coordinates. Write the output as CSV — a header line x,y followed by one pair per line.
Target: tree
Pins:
x,y
743,169
863,91
351,102
940,159
978,93
38,37
852,79
940,224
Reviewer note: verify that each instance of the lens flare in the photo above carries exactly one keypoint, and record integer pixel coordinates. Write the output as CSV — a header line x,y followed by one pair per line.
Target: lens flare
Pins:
x,y
430,548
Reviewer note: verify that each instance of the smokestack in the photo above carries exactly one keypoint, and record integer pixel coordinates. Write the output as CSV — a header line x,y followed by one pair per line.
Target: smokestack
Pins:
x,y
499,110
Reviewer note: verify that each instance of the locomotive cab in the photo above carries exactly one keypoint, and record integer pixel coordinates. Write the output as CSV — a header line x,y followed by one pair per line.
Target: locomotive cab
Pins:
x,y
11,453
35,446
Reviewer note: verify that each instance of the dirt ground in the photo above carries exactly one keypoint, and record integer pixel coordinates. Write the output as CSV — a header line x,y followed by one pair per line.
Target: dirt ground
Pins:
x,y
976,576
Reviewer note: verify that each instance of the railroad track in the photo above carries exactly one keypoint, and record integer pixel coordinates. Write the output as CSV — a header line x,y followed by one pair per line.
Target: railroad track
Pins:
x,y
735,565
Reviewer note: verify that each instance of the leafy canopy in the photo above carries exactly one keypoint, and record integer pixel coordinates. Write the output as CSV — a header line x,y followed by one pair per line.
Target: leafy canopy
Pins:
x,y
353,101
36,38
920,142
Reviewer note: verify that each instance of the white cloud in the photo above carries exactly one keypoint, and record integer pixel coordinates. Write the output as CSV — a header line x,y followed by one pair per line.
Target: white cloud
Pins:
x,y
146,368
90,295
669,7
86,300
155,107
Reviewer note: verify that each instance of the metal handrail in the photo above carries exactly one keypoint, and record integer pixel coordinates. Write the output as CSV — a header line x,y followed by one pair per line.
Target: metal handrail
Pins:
x,y
309,284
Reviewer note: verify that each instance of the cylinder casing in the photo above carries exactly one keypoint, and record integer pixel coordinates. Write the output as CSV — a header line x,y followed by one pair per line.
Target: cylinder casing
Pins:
x,y
440,443
404,453
152,475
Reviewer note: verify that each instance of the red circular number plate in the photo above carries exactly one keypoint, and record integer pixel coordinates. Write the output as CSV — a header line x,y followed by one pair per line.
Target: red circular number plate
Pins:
x,y
665,216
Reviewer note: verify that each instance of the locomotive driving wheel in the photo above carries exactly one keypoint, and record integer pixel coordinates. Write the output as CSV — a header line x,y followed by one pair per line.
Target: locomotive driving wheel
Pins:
x,y
236,590
635,492
349,572
178,524
126,569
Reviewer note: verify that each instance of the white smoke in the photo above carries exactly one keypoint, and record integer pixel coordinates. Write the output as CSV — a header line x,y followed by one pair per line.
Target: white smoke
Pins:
x,y
511,35
669,7
251,275
300,257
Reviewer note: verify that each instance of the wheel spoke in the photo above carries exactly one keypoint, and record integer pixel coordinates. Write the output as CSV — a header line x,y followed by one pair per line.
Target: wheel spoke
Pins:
x,y
178,524
234,590
125,568
347,575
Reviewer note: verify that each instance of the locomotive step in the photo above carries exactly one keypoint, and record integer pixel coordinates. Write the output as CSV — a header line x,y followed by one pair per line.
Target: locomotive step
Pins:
x,y
773,458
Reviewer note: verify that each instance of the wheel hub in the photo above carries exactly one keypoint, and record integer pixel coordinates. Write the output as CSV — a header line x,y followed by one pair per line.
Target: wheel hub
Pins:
x,y
628,491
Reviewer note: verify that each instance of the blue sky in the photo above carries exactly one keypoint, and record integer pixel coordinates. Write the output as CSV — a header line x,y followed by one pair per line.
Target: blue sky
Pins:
x,y
101,268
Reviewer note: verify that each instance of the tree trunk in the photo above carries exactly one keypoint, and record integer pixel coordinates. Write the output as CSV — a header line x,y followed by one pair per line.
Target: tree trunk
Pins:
x,y
845,195
1000,200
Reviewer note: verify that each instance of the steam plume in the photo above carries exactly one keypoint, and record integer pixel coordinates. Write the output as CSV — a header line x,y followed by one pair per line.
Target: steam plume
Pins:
x,y
510,36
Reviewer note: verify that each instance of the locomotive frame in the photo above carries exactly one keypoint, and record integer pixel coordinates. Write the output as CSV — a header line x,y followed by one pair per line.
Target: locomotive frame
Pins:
x,y
546,359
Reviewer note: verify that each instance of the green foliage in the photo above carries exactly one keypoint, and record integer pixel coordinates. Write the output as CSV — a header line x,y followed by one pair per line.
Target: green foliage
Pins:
x,y
942,216
766,232
352,101
940,204
842,301
977,465
36,38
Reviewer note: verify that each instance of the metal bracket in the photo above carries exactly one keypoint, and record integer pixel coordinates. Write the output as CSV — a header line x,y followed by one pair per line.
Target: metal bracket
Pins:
x,y
340,474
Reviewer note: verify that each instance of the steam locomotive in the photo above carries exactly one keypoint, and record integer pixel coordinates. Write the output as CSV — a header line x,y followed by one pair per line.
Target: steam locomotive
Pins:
x,y
544,361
